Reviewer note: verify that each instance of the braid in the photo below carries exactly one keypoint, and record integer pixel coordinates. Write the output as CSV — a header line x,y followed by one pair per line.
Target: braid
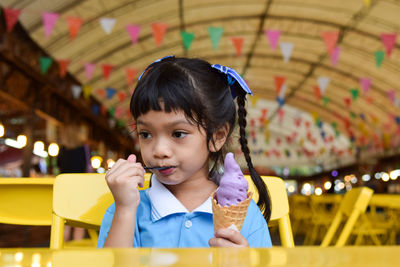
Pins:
x,y
264,202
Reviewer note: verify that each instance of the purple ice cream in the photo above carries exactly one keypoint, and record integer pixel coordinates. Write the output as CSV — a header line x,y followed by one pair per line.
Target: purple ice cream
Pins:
x,y
233,186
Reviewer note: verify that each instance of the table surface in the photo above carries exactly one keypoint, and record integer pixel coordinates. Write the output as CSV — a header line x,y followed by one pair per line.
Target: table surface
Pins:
x,y
277,256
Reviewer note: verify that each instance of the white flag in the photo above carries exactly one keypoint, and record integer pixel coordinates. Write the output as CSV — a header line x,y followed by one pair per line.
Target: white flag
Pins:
x,y
286,50
76,91
282,92
323,83
107,24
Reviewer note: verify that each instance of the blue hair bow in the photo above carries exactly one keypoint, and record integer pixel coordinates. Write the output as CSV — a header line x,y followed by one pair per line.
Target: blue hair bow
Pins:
x,y
158,60
233,77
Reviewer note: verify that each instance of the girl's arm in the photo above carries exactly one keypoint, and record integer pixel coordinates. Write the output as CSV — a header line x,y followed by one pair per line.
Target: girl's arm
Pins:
x,y
123,180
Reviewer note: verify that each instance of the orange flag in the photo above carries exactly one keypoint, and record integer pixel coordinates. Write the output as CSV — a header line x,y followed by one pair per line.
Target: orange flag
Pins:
x,y
330,40
159,30
101,93
130,75
238,43
11,17
74,25
63,66
279,81
317,92
121,96
107,69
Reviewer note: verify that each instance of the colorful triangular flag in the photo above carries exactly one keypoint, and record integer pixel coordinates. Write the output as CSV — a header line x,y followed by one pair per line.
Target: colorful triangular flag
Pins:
x,y
286,50
133,31
107,69
49,21
159,30
389,41
187,39
273,38
215,36
365,84
323,83
87,91
279,81
74,25
11,17
107,24
76,91
110,92
63,67
379,56
89,70
238,44
354,93
45,63
335,56
130,75
330,39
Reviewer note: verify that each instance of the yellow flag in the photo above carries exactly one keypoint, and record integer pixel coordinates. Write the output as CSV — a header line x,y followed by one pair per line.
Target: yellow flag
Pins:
x,y
254,99
87,91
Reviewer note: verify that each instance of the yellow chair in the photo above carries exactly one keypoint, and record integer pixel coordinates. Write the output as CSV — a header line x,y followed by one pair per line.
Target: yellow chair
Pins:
x,y
26,201
79,200
354,204
279,206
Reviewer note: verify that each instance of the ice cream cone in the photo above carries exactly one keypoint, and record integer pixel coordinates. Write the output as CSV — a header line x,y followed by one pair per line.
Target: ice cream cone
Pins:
x,y
224,217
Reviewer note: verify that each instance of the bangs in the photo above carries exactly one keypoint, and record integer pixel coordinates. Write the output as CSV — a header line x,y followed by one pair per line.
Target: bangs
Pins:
x,y
168,89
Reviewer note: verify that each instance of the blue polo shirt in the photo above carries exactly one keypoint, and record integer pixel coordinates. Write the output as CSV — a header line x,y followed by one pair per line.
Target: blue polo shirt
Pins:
x,y
163,222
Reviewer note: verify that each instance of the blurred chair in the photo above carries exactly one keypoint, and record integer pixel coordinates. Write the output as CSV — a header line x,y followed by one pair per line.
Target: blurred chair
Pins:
x,y
79,199
354,204
26,201
279,206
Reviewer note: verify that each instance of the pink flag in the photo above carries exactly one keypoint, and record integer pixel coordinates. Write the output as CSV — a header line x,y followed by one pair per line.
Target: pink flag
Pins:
x,y
391,95
89,70
273,37
49,21
365,84
389,41
335,56
133,31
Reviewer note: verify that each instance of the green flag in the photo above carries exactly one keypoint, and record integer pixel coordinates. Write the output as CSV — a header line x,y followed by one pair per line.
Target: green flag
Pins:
x,y
326,100
352,115
215,35
379,56
120,124
45,63
354,93
111,111
187,39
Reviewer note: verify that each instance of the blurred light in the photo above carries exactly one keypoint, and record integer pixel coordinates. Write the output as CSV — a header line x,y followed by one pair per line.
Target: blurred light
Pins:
x,y
366,177
110,163
38,146
1,130
334,173
354,180
340,185
385,177
40,153
36,257
101,170
12,143
337,181
307,186
53,149
48,264
18,257
348,187
22,140
394,174
336,188
318,191
96,161
378,175
291,188
286,171
327,185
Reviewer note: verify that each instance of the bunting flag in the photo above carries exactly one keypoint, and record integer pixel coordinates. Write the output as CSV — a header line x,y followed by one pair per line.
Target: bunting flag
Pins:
x,y
330,39
76,91
369,99
317,92
119,112
238,44
323,83
74,25
95,109
335,56
347,101
101,93
187,39
107,69
111,111
130,75
45,63
107,24
215,34
391,95
354,93
273,37
286,50
133,31
254,99
282,91
110,92
87,91
49,21
281,101
365,84
121,96
11,16
159,30
279,81
89,70
379,56
326,100
389,41
63,67
281,114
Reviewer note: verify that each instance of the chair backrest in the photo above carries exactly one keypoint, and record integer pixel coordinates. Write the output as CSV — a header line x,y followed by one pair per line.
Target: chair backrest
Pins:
x,y
79,199
26,201
279,206
354,203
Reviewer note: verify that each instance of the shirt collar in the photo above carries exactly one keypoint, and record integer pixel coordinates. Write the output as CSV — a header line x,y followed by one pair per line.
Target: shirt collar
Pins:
x,y
164,203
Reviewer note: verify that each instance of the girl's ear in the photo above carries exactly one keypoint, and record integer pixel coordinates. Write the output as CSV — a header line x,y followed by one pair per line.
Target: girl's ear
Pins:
x,y
219,138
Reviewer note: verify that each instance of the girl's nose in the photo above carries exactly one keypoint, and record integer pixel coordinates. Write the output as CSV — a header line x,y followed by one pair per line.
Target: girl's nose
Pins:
x,y
161,149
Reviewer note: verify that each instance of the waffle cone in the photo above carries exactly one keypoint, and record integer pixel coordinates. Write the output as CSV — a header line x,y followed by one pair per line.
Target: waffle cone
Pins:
x,y
224,217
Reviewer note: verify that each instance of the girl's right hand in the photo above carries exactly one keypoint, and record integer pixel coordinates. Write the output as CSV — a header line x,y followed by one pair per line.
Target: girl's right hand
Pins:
x,y
123,179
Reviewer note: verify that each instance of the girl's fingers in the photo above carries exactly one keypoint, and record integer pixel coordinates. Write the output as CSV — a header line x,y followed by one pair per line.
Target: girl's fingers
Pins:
x,y
231,235
132,158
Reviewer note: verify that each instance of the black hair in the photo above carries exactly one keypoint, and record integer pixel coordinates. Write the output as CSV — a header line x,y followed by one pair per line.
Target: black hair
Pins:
x,y
204,95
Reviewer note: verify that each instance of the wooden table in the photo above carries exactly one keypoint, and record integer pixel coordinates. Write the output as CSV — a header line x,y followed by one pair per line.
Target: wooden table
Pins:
x,y
300,256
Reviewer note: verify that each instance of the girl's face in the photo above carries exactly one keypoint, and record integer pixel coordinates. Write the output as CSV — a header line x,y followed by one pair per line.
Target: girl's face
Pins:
x,y
169,139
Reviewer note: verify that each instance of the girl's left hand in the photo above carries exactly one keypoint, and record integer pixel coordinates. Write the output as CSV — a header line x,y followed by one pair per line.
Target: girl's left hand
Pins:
x,y
228,238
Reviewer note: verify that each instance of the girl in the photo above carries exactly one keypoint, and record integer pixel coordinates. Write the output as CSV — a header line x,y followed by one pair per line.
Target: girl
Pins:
x,y
184,114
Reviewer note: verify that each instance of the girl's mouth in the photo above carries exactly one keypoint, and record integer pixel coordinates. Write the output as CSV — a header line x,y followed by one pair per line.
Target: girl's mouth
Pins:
x,y
166,170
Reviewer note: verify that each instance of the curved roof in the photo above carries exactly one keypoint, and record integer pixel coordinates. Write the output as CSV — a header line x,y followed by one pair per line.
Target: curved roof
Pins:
x,y
366,120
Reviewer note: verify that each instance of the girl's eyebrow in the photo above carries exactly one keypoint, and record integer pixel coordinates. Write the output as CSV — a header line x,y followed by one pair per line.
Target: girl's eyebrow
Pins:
x,y
173,123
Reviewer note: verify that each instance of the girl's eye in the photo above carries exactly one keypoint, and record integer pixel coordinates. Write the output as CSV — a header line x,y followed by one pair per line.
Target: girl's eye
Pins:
x,y
179,134
144,135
